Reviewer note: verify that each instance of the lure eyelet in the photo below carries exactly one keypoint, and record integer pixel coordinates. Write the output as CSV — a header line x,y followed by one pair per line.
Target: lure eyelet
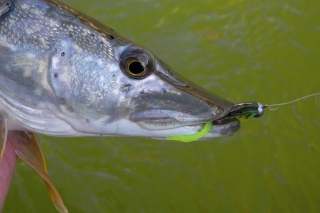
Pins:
x,y
137,63
260,110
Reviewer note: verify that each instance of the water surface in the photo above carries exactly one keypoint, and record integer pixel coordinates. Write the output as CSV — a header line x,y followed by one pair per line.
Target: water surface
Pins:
x,y
266,51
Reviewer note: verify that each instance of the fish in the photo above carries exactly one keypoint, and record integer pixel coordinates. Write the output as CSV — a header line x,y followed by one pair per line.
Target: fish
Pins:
x,y
65,74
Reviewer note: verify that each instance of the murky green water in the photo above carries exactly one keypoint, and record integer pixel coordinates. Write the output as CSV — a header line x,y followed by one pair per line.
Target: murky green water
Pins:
x,y
266,51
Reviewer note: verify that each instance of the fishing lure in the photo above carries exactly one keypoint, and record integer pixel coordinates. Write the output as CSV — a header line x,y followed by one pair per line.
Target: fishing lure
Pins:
x,y
189,138
246,110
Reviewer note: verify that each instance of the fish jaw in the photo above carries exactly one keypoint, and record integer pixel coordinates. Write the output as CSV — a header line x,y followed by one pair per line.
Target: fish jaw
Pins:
x,y
224,128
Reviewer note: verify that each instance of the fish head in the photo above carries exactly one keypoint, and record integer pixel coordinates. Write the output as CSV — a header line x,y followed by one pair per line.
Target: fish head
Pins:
x,y
134,93
81,78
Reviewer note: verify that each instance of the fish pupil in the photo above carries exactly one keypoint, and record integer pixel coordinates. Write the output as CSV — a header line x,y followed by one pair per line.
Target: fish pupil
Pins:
x,y
136,67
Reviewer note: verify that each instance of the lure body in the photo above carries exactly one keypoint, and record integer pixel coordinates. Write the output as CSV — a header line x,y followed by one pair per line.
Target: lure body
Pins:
x,y
246,110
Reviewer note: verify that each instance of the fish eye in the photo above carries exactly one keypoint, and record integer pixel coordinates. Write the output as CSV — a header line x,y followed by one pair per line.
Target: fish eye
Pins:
x,y
136,63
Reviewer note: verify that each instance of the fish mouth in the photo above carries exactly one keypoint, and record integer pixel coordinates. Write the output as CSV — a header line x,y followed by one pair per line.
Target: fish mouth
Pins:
x,y
224,127
181,109
220,128
170,122
170,109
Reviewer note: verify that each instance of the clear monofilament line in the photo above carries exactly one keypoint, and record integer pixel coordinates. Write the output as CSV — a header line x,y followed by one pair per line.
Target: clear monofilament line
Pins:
x,y
289,102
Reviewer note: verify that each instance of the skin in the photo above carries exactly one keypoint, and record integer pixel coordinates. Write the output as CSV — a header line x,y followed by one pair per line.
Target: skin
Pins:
x,y
7,166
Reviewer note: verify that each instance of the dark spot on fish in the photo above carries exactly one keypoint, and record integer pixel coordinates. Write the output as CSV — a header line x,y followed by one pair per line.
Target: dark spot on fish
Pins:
x,y
62,101
87,121
113,75
48,9
163,90
70,35
142,92
109,36
5,9
92,35
62,54
126,87
55,75
70,109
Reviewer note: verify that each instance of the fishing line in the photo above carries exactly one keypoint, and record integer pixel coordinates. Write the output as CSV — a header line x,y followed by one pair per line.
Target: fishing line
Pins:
x,y
270,106
245,110
256,109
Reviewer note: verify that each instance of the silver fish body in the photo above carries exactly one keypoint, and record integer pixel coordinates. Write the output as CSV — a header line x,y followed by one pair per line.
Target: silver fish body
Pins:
x,y
64,74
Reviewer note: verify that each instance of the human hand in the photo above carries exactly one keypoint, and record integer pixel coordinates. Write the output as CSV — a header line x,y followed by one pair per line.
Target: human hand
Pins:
x,y
7,166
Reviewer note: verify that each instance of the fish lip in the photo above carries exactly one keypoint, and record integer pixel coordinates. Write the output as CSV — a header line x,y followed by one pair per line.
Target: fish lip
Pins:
x,y
167,118
220,128
171,109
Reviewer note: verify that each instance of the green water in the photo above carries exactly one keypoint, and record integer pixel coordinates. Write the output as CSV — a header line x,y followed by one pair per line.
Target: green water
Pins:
x,y
267,51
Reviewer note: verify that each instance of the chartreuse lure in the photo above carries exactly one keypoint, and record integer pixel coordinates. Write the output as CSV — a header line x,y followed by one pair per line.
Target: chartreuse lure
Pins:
x,y
193,137
251,109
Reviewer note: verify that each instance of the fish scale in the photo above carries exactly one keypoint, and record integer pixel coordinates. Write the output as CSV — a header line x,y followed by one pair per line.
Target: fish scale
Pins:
x,y
44,29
